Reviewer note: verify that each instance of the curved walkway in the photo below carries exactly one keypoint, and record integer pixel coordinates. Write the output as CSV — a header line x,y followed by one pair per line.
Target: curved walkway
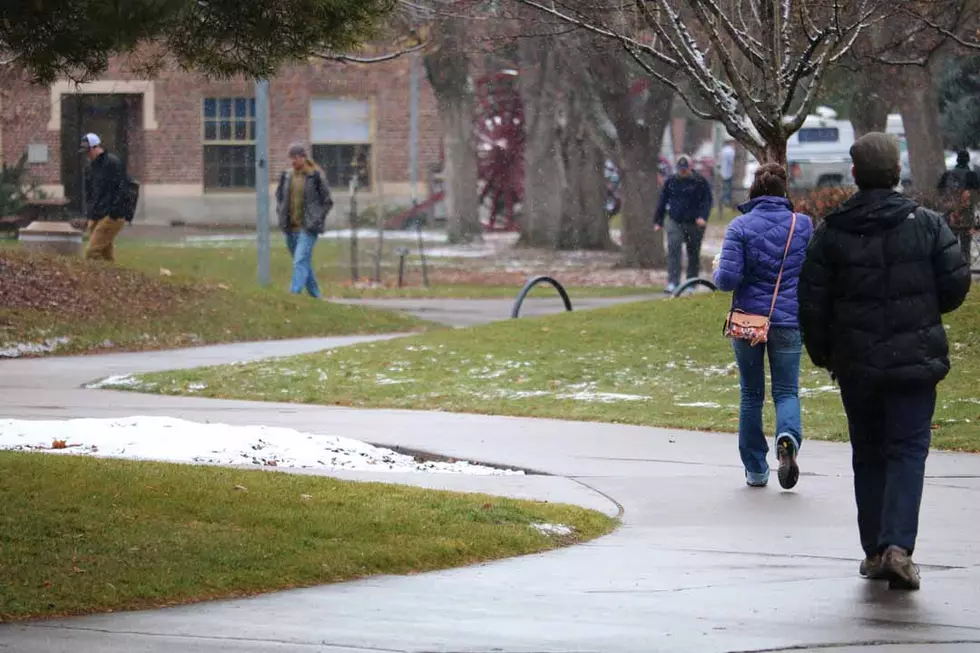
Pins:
x,y
702,564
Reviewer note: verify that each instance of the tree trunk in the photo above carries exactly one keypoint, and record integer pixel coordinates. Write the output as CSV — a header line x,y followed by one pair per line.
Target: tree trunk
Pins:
x,y
447,67
920,116
869,110
543,189
775,150
584,224
642,246
460,170
640,135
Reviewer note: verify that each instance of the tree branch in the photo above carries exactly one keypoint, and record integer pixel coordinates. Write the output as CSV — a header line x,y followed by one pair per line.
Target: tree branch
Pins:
x,y
347,58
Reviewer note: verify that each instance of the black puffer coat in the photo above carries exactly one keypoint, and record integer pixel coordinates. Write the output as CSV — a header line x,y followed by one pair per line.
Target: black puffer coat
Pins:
x,y
879,274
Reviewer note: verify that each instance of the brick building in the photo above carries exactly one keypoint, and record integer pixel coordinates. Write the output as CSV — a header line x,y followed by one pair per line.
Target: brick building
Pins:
x,y
190,140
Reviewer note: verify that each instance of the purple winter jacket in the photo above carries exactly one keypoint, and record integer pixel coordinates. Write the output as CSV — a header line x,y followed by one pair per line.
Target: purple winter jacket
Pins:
x,y
752,253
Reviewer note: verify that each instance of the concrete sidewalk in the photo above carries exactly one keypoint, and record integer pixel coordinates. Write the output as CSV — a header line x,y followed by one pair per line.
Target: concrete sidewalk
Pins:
x,y
471,312
702,564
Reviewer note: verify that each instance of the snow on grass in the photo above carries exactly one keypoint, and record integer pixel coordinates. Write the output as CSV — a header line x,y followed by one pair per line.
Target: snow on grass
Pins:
x,y
120,382
19,349
559,530
393,235
174,440
700,404
821,390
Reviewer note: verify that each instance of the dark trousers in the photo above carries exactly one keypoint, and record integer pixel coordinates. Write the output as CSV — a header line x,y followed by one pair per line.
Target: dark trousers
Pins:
x,y
891,429
680,235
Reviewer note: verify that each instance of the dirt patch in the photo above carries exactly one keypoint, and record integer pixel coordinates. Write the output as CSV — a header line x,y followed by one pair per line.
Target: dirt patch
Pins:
x,y
81,290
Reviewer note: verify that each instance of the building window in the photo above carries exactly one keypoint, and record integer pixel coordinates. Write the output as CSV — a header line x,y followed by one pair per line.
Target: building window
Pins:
x,y
818,135
229,143
340,131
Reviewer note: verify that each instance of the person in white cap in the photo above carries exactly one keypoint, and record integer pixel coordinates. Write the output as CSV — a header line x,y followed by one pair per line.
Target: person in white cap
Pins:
x,y
105,193
686,199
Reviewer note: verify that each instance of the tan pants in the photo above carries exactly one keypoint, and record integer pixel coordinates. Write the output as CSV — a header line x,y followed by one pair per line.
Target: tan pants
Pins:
x,y
102,237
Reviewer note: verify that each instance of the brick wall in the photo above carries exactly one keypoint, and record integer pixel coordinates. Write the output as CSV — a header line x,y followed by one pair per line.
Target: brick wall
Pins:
x,y
24,115
173,153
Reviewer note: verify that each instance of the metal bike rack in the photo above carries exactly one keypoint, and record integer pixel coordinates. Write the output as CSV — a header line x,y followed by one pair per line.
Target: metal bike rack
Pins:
x,y
691,283
531,283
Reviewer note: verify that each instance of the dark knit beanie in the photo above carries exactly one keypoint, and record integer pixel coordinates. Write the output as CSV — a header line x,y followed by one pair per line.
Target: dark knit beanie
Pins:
x,y
877,161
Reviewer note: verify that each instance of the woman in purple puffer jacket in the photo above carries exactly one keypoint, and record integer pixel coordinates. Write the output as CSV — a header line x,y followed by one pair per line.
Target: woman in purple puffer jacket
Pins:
x,y
749,265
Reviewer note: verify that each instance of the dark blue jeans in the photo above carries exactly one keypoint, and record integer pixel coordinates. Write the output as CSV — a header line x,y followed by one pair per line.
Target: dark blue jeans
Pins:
x,y
301,246
784,348
891,430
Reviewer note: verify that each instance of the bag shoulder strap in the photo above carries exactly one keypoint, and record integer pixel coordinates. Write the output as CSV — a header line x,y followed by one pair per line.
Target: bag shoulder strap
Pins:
x,y
782,266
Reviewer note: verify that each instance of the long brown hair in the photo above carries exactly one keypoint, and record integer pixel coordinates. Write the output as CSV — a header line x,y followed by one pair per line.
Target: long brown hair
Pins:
x,y
770,180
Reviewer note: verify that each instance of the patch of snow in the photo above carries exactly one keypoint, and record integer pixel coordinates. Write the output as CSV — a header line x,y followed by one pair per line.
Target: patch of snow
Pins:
x,y
462,251
381,379
560,530
180,441
700,404
399,235
117,381
28,348
602,397
813,392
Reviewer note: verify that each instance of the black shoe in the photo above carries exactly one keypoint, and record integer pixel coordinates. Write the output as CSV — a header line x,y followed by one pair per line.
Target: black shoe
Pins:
x,y
897,567
789,471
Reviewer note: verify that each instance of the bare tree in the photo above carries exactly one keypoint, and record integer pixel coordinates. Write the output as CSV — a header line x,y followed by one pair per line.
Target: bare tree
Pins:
x,y
755,65
448,67
540,88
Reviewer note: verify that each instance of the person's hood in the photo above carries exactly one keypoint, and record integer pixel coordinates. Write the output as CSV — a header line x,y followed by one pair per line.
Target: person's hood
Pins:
x,y
871,211
766,203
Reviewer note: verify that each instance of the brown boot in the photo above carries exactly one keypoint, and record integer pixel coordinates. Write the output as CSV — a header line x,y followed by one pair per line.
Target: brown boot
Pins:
x,y
871,567
898,568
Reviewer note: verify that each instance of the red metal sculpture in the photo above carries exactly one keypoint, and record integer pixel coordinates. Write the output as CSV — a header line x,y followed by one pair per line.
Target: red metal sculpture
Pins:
x,y
499,132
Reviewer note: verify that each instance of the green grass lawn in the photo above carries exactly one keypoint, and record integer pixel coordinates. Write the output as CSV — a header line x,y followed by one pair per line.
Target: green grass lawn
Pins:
x,y
81,535
655,363
88,307
235,263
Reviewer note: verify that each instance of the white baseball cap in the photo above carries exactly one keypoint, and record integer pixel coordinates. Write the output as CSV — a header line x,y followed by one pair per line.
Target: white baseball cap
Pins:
x,y
89,141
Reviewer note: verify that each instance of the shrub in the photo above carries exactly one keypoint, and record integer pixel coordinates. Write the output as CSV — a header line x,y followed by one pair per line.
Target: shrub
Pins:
x,y
960,211
818,203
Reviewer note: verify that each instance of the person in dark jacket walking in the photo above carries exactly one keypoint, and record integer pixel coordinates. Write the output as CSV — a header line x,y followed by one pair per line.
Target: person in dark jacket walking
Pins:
x,y
879,274
686,198
105,196
961,177
751,261
302,204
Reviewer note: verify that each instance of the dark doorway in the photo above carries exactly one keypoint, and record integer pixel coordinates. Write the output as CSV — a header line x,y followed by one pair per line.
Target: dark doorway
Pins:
x,y
105,115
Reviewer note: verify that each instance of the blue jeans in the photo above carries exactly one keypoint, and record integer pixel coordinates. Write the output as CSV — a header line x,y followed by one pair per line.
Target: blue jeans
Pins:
x,y
785,348
890,429
301,246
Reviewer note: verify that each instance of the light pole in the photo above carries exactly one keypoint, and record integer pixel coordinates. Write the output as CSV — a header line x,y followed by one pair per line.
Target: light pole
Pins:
x,y
262,178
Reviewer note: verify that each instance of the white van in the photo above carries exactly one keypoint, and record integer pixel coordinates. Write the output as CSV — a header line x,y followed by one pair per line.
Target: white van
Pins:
x,y
818,155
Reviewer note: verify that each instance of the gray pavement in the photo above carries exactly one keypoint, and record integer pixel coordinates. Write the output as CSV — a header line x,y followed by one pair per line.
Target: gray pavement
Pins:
x,y
702,564
470,312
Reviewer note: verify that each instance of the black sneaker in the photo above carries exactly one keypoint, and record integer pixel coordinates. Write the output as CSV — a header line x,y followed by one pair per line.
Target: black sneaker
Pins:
x,y
872,569
789,471
897,567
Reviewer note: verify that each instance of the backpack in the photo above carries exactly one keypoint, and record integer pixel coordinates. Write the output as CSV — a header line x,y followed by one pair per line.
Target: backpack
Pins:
x,y
130,198
956,179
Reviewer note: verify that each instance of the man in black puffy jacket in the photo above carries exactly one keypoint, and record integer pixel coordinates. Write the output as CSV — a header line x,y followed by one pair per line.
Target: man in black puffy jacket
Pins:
x,y
879,274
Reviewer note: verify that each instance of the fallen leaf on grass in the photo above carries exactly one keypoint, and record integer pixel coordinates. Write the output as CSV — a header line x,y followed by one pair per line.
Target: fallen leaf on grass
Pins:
x,y
306,497
241,488
164,272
